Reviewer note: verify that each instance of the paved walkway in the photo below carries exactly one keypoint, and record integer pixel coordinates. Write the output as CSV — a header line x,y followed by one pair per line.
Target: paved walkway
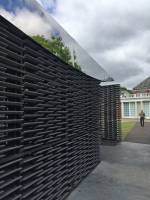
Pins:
x,y
123,174
140,134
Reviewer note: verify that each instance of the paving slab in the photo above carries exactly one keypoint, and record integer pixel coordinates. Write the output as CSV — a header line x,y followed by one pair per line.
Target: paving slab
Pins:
x,y
140,134
123,174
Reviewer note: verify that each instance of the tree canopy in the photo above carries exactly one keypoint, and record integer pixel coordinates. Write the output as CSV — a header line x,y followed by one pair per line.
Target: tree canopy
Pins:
x,y
56,46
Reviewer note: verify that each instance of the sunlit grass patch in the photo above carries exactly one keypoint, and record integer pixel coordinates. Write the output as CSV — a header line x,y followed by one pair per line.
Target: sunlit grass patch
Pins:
x,y
127,126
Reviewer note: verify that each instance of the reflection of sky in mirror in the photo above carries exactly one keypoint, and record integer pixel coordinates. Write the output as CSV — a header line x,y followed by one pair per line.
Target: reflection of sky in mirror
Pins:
x,y
32,19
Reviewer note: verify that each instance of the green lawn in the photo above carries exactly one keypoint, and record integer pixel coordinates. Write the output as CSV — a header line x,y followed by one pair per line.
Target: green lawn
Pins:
x,y
127,126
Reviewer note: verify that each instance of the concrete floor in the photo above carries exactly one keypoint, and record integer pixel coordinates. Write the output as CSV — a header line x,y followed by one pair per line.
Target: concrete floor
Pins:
x,y
140,134
123,174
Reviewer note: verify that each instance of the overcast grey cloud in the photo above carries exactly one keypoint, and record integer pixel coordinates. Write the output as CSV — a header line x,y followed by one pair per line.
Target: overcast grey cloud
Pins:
x,y
30,27
116,33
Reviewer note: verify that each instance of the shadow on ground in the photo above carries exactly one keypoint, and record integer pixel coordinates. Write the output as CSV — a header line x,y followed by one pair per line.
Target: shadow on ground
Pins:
x,y
123,174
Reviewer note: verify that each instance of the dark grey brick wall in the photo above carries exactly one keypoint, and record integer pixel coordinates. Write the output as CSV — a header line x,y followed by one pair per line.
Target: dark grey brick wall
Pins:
x,y
49,121
110,114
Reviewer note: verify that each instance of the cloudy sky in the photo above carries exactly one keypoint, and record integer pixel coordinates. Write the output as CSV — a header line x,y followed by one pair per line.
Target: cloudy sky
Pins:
x,y
116,33
32,19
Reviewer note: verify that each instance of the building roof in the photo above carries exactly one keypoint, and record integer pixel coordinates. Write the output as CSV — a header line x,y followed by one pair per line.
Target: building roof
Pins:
x,y
88,64
143,85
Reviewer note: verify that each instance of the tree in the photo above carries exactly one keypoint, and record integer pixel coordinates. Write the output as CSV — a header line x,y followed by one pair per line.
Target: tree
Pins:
x,y
56,46
125,89
75,64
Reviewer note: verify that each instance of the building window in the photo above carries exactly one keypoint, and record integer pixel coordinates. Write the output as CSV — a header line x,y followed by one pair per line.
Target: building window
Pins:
x,y
126,109
147,108
139,108
132,109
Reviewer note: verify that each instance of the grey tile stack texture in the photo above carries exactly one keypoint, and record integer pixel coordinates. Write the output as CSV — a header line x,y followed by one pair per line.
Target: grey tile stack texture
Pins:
x,y
110,119
49,119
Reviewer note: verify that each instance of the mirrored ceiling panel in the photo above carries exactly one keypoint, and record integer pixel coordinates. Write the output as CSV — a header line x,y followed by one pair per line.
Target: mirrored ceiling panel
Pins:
x,y
31,18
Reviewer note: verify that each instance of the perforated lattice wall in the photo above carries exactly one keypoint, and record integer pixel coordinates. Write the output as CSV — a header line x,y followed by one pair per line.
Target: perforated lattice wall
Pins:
x,y
49,121
110,114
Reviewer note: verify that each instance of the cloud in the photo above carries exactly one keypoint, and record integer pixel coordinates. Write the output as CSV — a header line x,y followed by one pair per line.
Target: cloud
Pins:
x,y
116,33
43,24
29,22
50,5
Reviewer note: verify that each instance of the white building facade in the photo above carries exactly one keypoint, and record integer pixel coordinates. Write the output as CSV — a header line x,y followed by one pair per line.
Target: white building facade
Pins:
x,y
133,104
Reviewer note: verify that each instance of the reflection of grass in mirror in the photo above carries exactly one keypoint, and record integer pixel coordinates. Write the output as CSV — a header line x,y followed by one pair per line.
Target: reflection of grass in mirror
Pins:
x,y
127,126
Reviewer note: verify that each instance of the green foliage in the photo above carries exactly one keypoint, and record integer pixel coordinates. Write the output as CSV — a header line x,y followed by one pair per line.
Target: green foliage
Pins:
x,y
125,89
75,64
56,46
